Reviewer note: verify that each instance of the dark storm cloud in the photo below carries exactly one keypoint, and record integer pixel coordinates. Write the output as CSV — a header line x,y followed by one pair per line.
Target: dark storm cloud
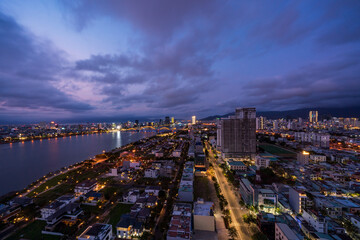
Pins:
x,y
171,74
182,42
332,84
29,69
188,55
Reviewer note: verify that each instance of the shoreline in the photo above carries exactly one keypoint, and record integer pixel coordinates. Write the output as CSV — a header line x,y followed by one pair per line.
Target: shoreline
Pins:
x,y
7,196
55,137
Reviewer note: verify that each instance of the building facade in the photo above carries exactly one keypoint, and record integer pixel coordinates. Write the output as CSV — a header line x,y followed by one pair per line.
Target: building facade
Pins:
x,y
237,134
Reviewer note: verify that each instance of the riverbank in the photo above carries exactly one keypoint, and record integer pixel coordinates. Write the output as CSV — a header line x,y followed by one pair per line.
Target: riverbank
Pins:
x,y
42,184
24,163
64,135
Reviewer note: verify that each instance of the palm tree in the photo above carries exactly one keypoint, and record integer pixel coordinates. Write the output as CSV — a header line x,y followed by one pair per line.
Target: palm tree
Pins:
x,y
232,233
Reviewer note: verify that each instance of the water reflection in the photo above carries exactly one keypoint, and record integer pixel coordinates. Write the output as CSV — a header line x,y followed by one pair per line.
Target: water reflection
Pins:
x,y
118,139
22,163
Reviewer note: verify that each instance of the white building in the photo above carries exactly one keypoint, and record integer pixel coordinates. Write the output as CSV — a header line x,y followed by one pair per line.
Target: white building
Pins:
x,y
193,120
297,200
260,123
113,172
176,153
98,231
204,219
316,220
85,187
283,232
151,173
132,196
317,139
153,190
236,165
267,200
318,158
262,162
50,209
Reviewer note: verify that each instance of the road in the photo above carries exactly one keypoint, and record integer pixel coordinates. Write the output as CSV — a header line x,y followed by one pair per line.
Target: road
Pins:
x,y
236,210
47,179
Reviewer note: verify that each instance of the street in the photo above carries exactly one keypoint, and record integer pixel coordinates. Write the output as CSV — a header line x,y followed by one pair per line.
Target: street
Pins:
x,y
236,211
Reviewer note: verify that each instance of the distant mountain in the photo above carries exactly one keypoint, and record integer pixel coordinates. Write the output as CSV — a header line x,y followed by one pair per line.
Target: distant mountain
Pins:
x,y
303,113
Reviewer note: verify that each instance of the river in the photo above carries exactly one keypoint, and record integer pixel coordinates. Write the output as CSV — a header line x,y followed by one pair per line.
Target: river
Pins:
x,y
23,163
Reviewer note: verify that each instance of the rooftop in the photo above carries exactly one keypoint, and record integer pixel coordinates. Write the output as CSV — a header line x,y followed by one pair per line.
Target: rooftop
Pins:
x,y
203,208
236,163
287,231
96,229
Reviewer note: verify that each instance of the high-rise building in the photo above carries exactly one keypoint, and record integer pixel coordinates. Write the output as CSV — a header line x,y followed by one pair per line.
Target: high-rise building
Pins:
x,y
275,125
237,134
193,120
167,120
172,120
313,116
260,123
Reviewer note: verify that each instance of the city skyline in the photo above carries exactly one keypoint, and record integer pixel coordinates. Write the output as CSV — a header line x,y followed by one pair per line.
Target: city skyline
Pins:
x,y
76,59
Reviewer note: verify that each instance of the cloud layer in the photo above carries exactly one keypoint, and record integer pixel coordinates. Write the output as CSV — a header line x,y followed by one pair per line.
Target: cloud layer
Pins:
x,y
29,71
184,57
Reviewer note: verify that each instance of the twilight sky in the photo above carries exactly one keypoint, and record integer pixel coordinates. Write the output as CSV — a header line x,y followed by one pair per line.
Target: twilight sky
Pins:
x,y
78,59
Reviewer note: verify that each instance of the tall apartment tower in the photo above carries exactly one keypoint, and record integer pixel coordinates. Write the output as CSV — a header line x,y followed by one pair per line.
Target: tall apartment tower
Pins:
x,y
260,123
313,116
237,134
193,120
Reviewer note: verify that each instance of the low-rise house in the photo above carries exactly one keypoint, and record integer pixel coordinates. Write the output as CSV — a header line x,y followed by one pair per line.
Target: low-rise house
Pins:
x,y
186,192
135,208
132,196
266,200
98,231
356,221
204,216
262,162
113,172
85,187
70,211
316,220
180,223
153,190
7,211
128,227
318,158
284,232
69,198
151,173
127,164
92,197
348,206
176,153
236,165
266,223
151,201
143,215
51,208
246,191
159,153
141,202
21,201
